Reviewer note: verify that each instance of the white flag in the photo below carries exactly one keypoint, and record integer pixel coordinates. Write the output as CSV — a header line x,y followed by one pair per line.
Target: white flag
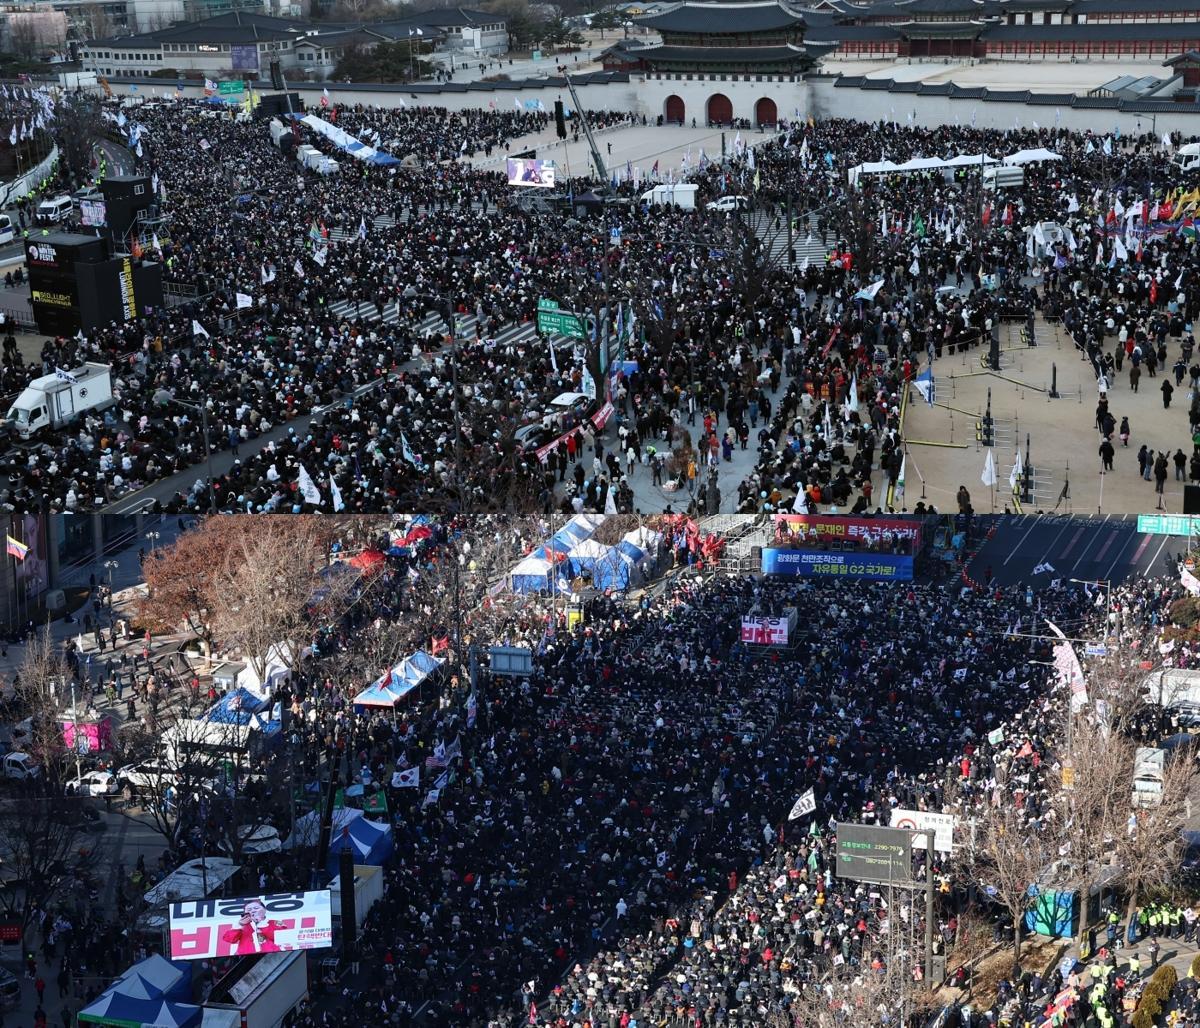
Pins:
x,y
806,804
335,494
1014,476
198,329
308,488
409,778
298,268
989,470
362,227
868,292
244,301
610,501
1166,141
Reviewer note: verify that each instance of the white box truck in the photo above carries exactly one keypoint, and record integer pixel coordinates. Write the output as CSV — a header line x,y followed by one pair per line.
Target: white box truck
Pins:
x,y
1177,691
58,399
681,195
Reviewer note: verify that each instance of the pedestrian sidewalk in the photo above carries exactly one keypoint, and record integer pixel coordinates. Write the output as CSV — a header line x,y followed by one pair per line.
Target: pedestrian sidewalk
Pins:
x,y
126,574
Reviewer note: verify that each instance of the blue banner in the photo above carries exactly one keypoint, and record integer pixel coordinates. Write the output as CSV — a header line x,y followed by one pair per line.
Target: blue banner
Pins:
x,y
874,567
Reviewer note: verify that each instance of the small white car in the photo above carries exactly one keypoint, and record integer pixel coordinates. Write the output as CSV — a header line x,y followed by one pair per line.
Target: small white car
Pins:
x,y
21,767
94,783
728,203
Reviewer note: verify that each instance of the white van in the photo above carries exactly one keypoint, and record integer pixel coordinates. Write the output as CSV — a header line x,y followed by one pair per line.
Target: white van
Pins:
x,y
1187,157
54,210
8,231
1003,176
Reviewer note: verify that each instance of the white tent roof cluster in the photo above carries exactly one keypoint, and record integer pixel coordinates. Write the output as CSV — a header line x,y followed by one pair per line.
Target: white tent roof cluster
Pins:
x,y
937,163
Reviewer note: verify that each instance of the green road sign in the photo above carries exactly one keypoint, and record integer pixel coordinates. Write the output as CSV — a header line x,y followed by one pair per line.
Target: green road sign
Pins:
x,y
871,853
553,319
231,88
1169,524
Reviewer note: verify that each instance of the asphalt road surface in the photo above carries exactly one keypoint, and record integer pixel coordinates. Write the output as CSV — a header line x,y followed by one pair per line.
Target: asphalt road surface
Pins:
x,y
1108,548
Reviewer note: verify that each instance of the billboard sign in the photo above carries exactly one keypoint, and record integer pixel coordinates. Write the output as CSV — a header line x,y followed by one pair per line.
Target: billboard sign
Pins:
x,y
232,87
245,58
764,631
942,826
871,853
205,929
539,174
871,567
824,528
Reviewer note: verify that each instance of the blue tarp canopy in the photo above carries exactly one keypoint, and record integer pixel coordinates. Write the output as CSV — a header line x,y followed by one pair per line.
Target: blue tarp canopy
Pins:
x,y
236,708
389,689
114,1009
634,553
565,540
370,843
149,993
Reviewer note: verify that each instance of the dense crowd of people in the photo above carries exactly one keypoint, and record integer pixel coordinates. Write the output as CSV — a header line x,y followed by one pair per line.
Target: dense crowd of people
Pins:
x,y
611,838
727,342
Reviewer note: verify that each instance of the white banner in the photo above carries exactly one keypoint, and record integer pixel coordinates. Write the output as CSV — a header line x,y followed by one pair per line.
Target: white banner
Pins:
x,y
210,928
942,826
1190,582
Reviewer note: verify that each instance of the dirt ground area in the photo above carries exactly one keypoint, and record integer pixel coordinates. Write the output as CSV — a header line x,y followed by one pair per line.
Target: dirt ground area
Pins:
x,y
1058,433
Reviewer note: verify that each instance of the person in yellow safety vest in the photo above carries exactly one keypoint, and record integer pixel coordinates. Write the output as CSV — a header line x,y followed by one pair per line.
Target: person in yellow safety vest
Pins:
x,y
1135,965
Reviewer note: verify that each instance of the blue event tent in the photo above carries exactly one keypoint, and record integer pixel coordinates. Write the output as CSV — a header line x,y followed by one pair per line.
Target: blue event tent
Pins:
x,y
370,843
535,575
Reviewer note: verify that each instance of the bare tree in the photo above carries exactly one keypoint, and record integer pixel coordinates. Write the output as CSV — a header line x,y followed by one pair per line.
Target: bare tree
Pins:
x,y
96,22
41,686
78,128
1009,857
40,853
1147,852
192,783
273,592
22,36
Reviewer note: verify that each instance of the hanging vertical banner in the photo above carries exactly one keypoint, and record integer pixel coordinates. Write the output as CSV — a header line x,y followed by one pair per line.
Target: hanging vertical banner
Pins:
x,y
1066,663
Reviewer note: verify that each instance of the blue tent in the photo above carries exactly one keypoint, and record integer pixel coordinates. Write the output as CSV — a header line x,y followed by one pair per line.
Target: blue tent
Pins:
x,y
369,841
634,553
564,540
617,572
534,575
236,707
388,689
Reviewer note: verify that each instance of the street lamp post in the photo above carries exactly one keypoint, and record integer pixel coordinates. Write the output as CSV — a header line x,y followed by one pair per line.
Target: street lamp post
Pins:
x,y
110,566
153,537
203,411
1106,585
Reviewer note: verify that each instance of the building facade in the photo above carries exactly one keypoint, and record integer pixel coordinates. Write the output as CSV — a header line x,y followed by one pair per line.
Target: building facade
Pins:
x,y
243,44
1007,29
747,55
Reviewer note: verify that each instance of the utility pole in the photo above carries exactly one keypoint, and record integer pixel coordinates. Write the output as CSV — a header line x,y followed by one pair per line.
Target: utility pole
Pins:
x,y
929,886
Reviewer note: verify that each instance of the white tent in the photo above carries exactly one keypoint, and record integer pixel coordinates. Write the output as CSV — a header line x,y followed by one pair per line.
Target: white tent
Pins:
x,y
278,667
1032,156
645,539
917,164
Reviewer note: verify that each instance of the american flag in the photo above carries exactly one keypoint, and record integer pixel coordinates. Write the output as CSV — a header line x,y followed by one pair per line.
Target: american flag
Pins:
x,y
437,758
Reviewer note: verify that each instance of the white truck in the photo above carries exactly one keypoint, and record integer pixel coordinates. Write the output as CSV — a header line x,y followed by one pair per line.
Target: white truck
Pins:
x,y
682,194
1187,157
1177,691
58,399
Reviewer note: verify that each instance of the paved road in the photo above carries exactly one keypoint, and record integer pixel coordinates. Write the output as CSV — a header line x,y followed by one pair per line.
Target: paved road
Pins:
x,y
1108,548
